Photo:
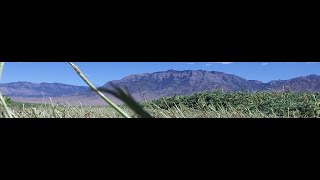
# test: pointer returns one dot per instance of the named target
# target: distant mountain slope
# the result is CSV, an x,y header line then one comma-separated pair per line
x,y
172,82
303,83
168,83
27,89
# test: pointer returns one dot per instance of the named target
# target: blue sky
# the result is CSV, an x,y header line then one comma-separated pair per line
x,y
101,72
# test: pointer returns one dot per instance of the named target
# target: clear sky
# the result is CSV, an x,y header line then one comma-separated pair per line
x,y
101,72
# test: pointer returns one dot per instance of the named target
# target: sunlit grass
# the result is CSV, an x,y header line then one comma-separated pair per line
x,y
113,105
8,113
200,105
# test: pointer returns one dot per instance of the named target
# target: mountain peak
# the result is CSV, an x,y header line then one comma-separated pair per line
x,y
313,76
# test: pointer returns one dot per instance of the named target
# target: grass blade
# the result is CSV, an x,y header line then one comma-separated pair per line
x,y
3,102
128,100
98,92
1,68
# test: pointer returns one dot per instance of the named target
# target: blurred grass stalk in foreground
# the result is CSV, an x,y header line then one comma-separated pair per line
x,y
114,106
1,68
128,100
2,100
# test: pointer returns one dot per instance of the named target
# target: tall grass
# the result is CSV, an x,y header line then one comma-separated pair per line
x,y
200,105
83,77
280,104
7,111
1,68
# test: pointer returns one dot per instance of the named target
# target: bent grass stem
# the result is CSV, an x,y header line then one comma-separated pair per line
x,y
83,77
3,102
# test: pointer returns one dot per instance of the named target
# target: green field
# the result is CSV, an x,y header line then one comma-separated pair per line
x,y
201,105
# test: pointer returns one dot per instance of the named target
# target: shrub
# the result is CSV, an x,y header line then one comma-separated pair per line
x,y
8,100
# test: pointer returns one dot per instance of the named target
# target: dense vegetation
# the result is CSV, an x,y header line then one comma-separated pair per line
x,y
277,104
203,105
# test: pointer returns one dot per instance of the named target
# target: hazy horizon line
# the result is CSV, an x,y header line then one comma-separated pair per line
x,y
152,73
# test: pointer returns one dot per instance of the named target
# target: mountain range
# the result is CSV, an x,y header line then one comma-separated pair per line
x,y
155,85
